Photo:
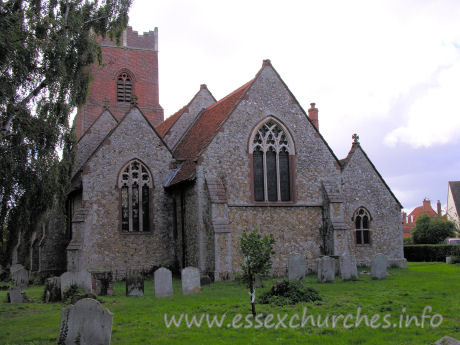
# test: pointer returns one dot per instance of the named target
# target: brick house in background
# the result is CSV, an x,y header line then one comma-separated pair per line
x,y
410,220
180,192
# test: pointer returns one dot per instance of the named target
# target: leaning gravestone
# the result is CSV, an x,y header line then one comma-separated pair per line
x,y
297,267
85,323
379,267
347,267
20,278
190,281
163,282
326,269
52,290
15,296
134,285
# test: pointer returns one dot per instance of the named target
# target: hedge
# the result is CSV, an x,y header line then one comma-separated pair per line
x,y
430,252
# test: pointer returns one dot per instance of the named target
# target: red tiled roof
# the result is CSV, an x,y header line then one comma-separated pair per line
x,y
203,131
164,127
206,126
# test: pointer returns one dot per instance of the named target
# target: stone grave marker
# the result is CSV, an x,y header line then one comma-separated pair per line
x,y
134,285
347,267
53,290
447,341
15,296
190,281
379,266
85,323
81,279
326,269
20,278
163,282
297,267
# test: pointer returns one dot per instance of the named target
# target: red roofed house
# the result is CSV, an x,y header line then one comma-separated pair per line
x,y
410,220
180,192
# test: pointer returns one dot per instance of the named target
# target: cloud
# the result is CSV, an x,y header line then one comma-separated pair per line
x,y
433,118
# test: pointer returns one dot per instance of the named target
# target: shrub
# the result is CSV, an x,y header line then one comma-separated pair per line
x,y
73,294
289,292
429,230
430,252
455,259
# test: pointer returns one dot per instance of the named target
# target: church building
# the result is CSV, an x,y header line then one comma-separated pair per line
x,y
149,192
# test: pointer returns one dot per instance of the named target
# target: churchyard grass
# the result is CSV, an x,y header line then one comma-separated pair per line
x,y
140,320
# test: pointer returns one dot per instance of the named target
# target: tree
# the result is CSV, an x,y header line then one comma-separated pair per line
x,y
46,48
434,230
257,251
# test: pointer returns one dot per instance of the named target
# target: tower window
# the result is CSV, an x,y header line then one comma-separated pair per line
x,y
124,88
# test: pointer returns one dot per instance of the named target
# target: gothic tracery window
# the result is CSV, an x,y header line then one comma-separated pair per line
x,y
362,220
124,88
135,184
271,146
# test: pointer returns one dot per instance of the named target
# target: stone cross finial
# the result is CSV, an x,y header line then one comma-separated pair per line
x,y
106,103
355,138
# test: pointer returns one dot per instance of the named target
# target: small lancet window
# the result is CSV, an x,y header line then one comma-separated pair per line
x,y
124,88
135,185
362,220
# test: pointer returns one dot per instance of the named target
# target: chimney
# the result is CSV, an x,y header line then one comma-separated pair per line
x,y
426,204
439,209
313,115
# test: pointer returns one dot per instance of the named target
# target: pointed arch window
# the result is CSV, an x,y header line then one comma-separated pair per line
x,y
135,183
124,87
362,220
271,147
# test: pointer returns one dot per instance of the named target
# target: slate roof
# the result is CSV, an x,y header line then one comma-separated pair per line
x,y
455,190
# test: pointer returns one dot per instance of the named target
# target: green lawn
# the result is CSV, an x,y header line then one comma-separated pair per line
x,y
141,320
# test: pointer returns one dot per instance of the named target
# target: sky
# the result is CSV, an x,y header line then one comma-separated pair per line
x,y
386,70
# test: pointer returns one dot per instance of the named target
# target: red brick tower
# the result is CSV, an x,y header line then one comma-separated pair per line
x,y
126,71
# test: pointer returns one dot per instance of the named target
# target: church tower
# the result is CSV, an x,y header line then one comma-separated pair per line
x,y
129,73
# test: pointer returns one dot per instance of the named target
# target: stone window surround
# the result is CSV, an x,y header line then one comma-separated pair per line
x,y
132,80
369,227
292,164
151,206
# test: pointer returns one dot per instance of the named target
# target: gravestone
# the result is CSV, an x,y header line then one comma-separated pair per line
x,y
81,279
205,280
52,290
85,323
190,281
448,259
347,267
134,285
297,267
326,269
163,282
15,296
379,267
447,341
20,278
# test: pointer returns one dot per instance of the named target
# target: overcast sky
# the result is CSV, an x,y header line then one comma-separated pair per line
x,y
387,70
